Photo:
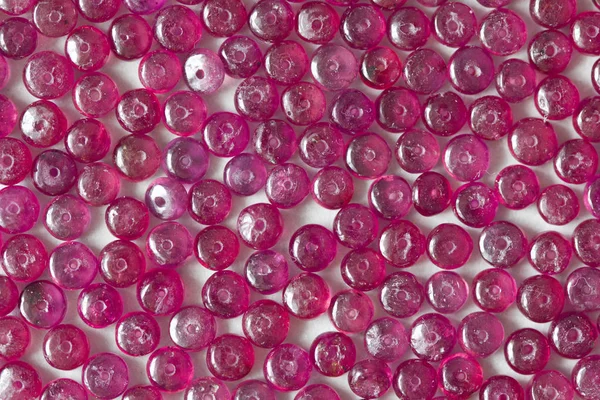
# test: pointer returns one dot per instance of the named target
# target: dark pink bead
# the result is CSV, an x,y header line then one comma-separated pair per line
x,y
517,187
550,253
386,339
502,32
501,385
390,197
216,247
401,243
142,393
585,119
389,4
332,188
166,198
260,226
192,328
253,388
99,305
317,391
95,95
48,75
266,323
226,134
583,377
556,97
502,244
432,337
54,18
67,217
271,20
98,184
207,386
380,67
317,22
105,375
355,226
532,141
127,218
16,7
266,271
527,351
576,161
87,140
87,48
177,28
169,244
274,141
362,26
42,304
558,205
287,367
312,248
18,38
204,71
24,258
303,103
547,384
572,335
66,347
63,387
43,124
550,51
15,338
352,111
466,158
363,269
586,237
424,71
447,292
415,380
553,14
401,294
19,381
170,369
368,156
160,291
245,174
286,62
494,290
351,311
454,24
8,112
471,69
306,296
184,113
444,114
94,11
72,265
408,28
397,109
480,334
223,18
287,185
490,117
240,55
581,291
19,209
143,7
460,375
209,202
137,157
4,76
370,378
515,80
333,67
130,36
230,357
122,263
137,334
138,111
256,98
53,172
417,151
15,161
584,32
185,159
159,71
226,294
540,298
333,353
431,193
449,246
10,295
591,196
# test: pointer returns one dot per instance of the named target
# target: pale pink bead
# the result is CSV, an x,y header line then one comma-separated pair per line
x,y
287,367
408,28
317,22
449,246
584,32
256,98
24,258
99,305
87,48
48,75
160,291
515,80
54,18
137,157
494,290
306,296
11,32
245,174
67,217
240,55
355,226
333,353
19,381
362,26
230,357
351,311
332,187
127,218
105,375
480,334
16,7
401,243
432,337
417,151
226,294
185,159
390,197
401,294
216,247
490,117
576,161
303,103
66,347
43,124
287,185
130,36
266,323
556,97
223,18
424,71
370,378
502,32
260,226
386,339
271,20
72,265
460,375
471,69
192,328
466,158
138,111
584,118
87,140
333,67
63,387
558,205
368,156
207,386
170,369
169,244
397,109
122,263
53,172
177,28
166,198
137,334
203,71
159,71
16,338
98,184
447,292
209,202
95,95
42,304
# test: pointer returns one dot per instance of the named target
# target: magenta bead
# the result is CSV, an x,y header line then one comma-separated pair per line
x,y
515,80
401,243
18,38
169,244
240,55
317,391
585,242
287,367
160,291
502,244
558,205
480,334
127,218
454,24
572,335
312,248
408,28
466,158
226,134
274,141
409,388
532,141
15,161
67,217
540,298
380,67
584,31
390,197
54,18
332,353
585,119
424,71
99,305
333,67
95,95
87,140
72,265
332,187
184,113
24,258
352,111
583,377
368,156
63,387
471,70
209,202
216,247
431,193
10,294
502,32
460,375
553,14
16,7
317,22
266,323
42,304
203,71
177,28
386,339
138,111
166,198
8,111
306,296
550,253
351,311
397,109
53,172
48,75
550,51
355,226
207,386
226,294
144,7
362,26
494,290
286,62
432,337
527,351
260,226
137,334
556,98
253,388
370,378
230,357
517,187
417,151
223,18
303,103
245,174
449,246
547,384
15,338
170,369
591,196
87,48
159,71
142,393
192,328
490,117
502,385
185,159
266,271
98,12
256,98
122,263
19,380
287,185
19,209
43,124
580,289
401,294
137,157
576,161
105,375
130,36
98,184
444,114
447,292
271,20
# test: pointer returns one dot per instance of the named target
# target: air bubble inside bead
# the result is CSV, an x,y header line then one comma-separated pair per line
x,y
192,328
230,357
401,294
266,323
105,375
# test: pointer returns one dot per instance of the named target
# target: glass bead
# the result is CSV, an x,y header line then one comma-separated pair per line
x,y
209,202
352,111
449,246
16,7
130,36
271,20
95,95
527,351
401,294
312,248
19,209
332,187
87,140
54,18
240,55
490,117
317,391
43,124
286,62
401,243
446,291
583,377
226,294
424,71
502,32
454,24
18,38
143,7
333,353
170,369
585,119
415,380
63,387
137,157
460,375
230,357
306,296
408,28
169,244
266,271
105,375
53,172
253,388
256,98
355,226
380,68
547,384
160,291
159,71
67,217
370,378
287,367
515,80
502,385
550,51
532,141
444,114
216,247
480,334
303,103
127,218
550,253
517,187
142,393
581,291
99,305
471,69
576,161
15,337
23,258
266,323
351,311
185,159
432,337
225,134
48,75
431,193
389,4
397,109
390,197
317,22
558,205
86,47
362,26
556,98
502,244
274,141
137,334
223,18
584,31
417,151
138,111
8,112
10,295
333,67
466,158
368,156
122,263
95,11
42,304
72,265
553,14
386,339
192,328
207,386
540,298
245,174
287,185
203,71
595,75
586,237
572,335
177,28
19,380
98,184
591,196
166,198
260,226
494,290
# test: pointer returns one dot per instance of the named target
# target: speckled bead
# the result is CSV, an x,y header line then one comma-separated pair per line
x,y
494,290
177,28
286,62
287,367
87,140
53,172
424,71
99,305
460,375
67,217
271,20
185,159
480,334
585,119
159,71
449,246
515,80
475,204
203,71
502,244
532,141
8,111
138,111
550,51
312,248
266,323
576,161
169,244
444,114
42,124
42,304
95,95
65,347
256,98
98,184
192,328
122,263
368,156
390,197
130,36
370,378
580,288
16,337
226,294
380,67
454,24
431,193
20,381
408,28
540,298
127,218
223,18
253,388
401,294
355,226
362,26
585,242
502,32
216,247
137,334
287,185
401,243
386,339
466,158
11,29
303,103
417,151
546,384
63,387
137,157
558,205
98,12
209,202
351,311
517,187
72,265
432,337
550,253
583,377
48,75
19,209
317,22
552,14
584,31
447,292
105,375
240,55
274,141
317,391
502,385
407,387
166,198
527,351
15,161
306,296
352,111
332,187
10,294
490,117
397,109
225,134
572,335
160,291
266,271
24,258
333,67
87,48
471,69
556,97
142,393
207,386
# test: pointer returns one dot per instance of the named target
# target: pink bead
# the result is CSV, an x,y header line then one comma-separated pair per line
x,y
98,12
351,311
16,7
401,243
19,381
18,38
454,24
260,226
24,258
185,159
95,95
502,385
480,334
230,357
397,109
444,114
332,353
287,367
240,55
317,391
332,187
389,4
386,339
362,26
207,386
576,161
527,351
8,112
138,111
98,184
317,22
312,248
572,335
245,174
417,151
177,28
494,290
184,113
67,217
368,156
86,47
471,69
502,244
192,328
591,196
170,369
266,271
432,337
143,7
99,305
585,242
42,304
287,185
253,388
54,18
226,294
517,187
15,338
137,157
48,75
216,247
15,161
553,14
72,265
53,172
447,292
105,375
122,263
409,388
584,30
127,218
10,295
137,334
274,141
466,158
87,140
550,51
43,124
223,18
532,141
271,20
401,294
286,62
352,111
424,71
585,121
203,71
63,387
333,67
130,36
306,296
160,291
226,134
583,377
581,289
408,28
370,379
19,209
550,253
460,375
380,67
449,246
390,197
515,80
166,198
209,202
169,244
142,393
556,98
256,98
558,205
547,384
502,32
490,117
266,323
431,193
540,298
303,103
159,71
595,76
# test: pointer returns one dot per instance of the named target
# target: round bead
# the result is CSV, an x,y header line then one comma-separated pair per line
x,y
86,47
72,265
447,292
260,226
490,117
286,62
127,218
19,380
203,71
170,369
417,151
502,32
16,7
558,205
271,20
580,288
401,243
266,323
585,119
253,388
185,159
386,339
42,304
471,69
240,55
226,134
502,244
397,109
23,258
53,172
216,247
584,31
230,357
556,97
355,226
98,184
122,263
409,388
494,290
166,198
159,71
547,384
287,185
540,298
553,14
245,174
454,24
177,28
576,161
444,114
466,158
54,18
317,22
370,379
137,334
15,161
43,124
137,157
10,295
274,141
266,271
585,242
424,71
363,269
480,334
130,36
99,305
63,387
207,386
401,294
48,75
98,12
256,98
138,111
362,26
317,391
380,67
142,393
184,113
572,335
368,156
306,296
192,328
287,367
15,338
223,18
460,375
527,351
390,197
550,253
87,141
532,141
8,111
583,377
209,202
312,248
550,51
332,188
431,193
408,28
67,217
502,385
169,244
333,67
449,246
95,95
432,337
160,291
351,311
105,375
517,187
352,111
18,38
303,103
515,80
226,294
333,353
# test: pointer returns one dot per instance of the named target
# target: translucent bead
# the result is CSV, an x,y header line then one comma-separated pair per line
x,y
143,7
287,185
317,22
10,295
576,161
142,393
401,294
72,265
332,187
370,378
517,186
333,67
572,335
99,305
185,159
138,111
397,109
127,218
306,296
253,388
223,18
18,38
67,217
321,145
454,24
431,193
471,69
230,357
580,289
352,111
550,253
547,384
584,119
226,294
15,161
386,339
490,117
203,71
240,55
317,391
159,71
130,36
266,271
368,156
494,290
137,334
585,242
380,67
532,141
556,98
591,196
105,375
351,311
502,32
245,174
207,386
460,375
502,385
98,12
362,26
355,226
332,353
303,103
312,248
98,184
122,263
424,71
401,243
54,18
216,247
160,291
583,376
15,337
43,124
553,14
515,80
137,157
502,244
192,328
95,95
166,198
390,197
432,337
408,28
63,387
169,244
558,205
48,75
8,112
447,292
177,28
584,31
274,141
417,151
256,98
286,62
444,114
287,367
16,7
209,202
409,388
86,47
550,51
271,20
226,134
53,172
19,381
42,304
466,158
527,351
480,334
260,226
19,209
87,140
449,246
24,258
540,298
266,323
170,369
